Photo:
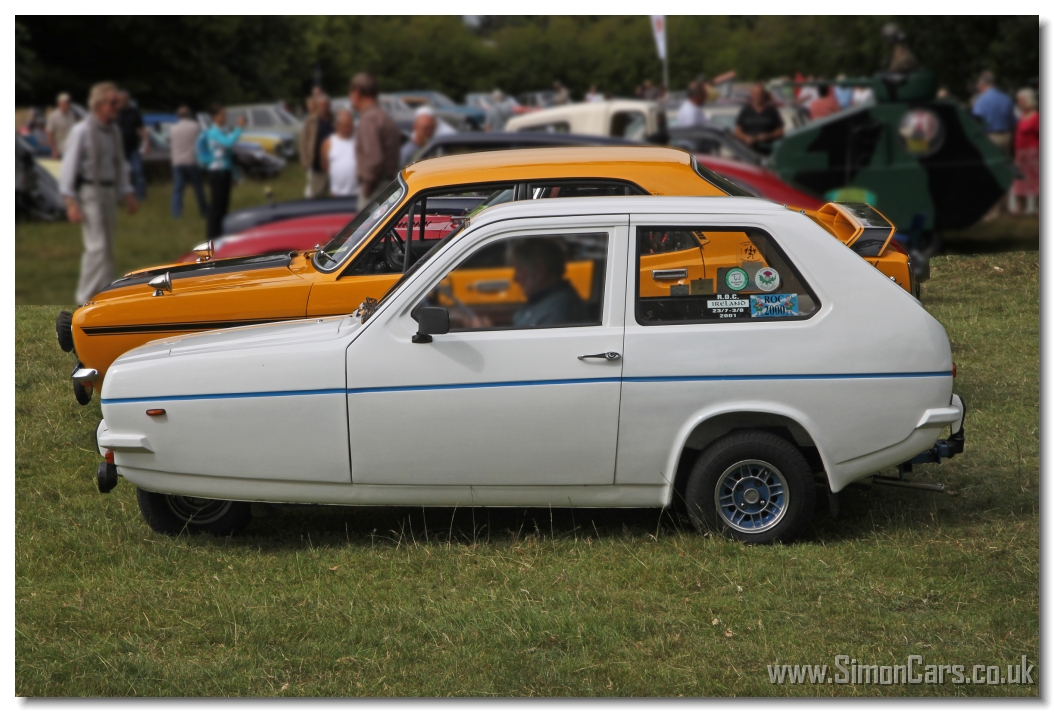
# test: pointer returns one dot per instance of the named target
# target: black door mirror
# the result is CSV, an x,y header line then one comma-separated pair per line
x,y
431,320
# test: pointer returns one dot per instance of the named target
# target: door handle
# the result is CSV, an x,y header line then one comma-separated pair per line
x,y
607,355
670,274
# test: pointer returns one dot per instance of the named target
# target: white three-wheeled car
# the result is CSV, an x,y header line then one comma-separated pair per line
x,y
556,353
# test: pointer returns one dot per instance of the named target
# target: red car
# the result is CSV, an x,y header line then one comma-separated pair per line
x,y
303,233
760,181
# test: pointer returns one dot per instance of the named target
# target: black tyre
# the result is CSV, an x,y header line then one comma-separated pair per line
x,y
174,514
82,392
752,486
64,330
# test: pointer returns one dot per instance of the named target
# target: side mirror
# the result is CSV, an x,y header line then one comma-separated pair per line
x,y
431,320
161,284
204,251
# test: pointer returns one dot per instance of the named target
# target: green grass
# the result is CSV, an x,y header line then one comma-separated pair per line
x,y
47,255
393,601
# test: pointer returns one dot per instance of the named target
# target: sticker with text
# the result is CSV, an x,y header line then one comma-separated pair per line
x,y
736,279
773,305
727,306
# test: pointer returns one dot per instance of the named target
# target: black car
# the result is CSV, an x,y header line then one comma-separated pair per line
x,y
454,144
714,141
36,191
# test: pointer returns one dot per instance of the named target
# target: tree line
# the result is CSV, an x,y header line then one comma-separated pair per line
x,y
165,61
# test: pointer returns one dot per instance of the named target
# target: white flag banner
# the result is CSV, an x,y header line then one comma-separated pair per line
x,y
658,28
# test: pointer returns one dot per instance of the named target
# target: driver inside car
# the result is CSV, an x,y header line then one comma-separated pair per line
x,y
539,266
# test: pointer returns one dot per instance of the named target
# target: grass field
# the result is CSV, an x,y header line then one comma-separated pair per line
x,y
386,601
47,255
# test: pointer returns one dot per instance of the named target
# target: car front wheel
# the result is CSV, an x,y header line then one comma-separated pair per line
x,y
174,514
752,486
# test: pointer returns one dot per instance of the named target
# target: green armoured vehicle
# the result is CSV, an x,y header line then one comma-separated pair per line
x,y
924,162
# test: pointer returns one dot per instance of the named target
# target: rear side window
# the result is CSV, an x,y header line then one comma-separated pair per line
x,y
554,127
689,275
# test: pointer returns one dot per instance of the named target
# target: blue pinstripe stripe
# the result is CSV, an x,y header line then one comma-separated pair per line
x,y
516,384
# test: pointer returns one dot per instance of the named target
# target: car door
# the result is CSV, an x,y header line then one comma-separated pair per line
x,y
519,392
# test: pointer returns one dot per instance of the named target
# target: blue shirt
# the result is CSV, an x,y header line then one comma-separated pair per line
x,y
997,110
844,95
221,147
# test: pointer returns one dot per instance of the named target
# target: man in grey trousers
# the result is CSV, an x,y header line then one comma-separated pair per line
x,y
94,175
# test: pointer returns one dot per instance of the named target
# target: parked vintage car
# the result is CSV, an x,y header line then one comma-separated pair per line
x,y
630,119
365,258
37,194
249,158
461,117
279,142
736,395
401,113
301,224
714,141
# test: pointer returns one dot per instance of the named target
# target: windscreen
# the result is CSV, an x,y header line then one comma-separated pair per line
x,y
349,238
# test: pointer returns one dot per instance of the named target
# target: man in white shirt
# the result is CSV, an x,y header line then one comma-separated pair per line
x,y
94,173
691,111
337,156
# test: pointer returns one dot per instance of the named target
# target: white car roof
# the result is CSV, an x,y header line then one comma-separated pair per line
x,y
622,205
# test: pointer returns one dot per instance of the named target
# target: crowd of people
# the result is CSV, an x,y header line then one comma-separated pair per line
x,y
355,152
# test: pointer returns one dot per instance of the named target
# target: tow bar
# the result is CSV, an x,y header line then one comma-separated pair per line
x,y
941,450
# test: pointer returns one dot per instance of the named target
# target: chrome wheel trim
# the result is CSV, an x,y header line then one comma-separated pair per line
x,y
751,496
197,510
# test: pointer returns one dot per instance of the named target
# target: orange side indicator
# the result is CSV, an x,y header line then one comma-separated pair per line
x,y
155,411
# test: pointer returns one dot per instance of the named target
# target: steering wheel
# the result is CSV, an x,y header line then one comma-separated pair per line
x,y
394,251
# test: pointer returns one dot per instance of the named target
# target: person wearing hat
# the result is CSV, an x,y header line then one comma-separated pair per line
x,y
59,125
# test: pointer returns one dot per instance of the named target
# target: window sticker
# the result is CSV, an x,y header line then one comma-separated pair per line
x,y
773,305
748,251
736,279
767,279
727,306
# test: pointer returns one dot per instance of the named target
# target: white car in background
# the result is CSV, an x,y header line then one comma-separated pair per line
x,y
631,119
724,354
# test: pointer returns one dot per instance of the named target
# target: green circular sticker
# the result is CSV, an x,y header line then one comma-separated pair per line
x,y
736,279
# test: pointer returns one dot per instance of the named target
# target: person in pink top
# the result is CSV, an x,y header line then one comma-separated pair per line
x,y
1026,154
825,105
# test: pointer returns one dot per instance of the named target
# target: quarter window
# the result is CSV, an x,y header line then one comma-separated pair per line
x,y
526,282
716,274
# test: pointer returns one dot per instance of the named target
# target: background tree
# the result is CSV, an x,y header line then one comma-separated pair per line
x,y
165,61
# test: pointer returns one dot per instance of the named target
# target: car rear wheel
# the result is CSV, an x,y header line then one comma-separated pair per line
x,y
174,514
752,486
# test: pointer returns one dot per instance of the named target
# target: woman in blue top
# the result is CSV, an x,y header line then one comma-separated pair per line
x,y
219,148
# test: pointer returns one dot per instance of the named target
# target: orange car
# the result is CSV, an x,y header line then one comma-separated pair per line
x,y
370,254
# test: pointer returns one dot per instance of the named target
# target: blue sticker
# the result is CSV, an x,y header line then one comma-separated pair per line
x,y
773,305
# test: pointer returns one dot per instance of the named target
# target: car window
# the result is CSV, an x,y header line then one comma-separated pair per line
x,y
716,274
630,125
526,282
286,118
233,115
445,212
553,127
442,100
262,118
581,189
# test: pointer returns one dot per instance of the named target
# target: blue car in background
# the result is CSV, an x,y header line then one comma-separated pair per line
x,y
461,117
